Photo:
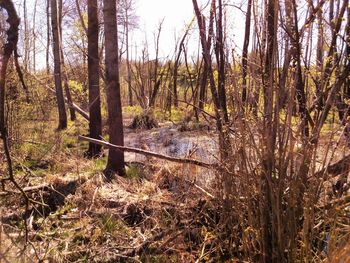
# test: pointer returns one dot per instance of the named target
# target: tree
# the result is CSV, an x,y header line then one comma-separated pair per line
x,y
220,59
62,115
63,67
245,51
177,65
217,89
95,124
115,162
48,36
34,36
129,20
10,48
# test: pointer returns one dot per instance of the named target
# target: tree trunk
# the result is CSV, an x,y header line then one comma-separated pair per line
x,y
270,249
220,57
48,37
299,83
57,66
115,162
63,67
95,124
245,51
8,49
26,37
319,56
128,66
224,141
34,37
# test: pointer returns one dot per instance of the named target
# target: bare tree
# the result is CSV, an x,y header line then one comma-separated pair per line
x,y
95,123
129,20
48,36
57,65
9,49
26,37
115,162
218,97
34,35
245,51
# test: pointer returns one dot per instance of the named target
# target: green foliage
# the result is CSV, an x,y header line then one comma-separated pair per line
x,y
100,164
132,110
134,172
176,115
76,87
109,224
209,108
78,91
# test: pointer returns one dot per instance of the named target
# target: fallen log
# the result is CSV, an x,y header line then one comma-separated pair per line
x,y
147,153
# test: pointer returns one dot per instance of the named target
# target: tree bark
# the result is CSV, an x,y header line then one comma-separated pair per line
x,y
48,37
26,38
57,66
245,51
270,249
224,141
176,68
95,124
220,57
299,82
63,67
11,45
115,162
34,37
128,66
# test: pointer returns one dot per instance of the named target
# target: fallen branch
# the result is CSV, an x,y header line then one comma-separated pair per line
x,y
337,202
340,167
83,113
147,153
26,189
36,187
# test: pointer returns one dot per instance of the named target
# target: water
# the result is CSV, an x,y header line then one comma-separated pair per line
x,y
169,141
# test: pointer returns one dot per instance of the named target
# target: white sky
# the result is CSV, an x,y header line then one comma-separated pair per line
x,y
176,14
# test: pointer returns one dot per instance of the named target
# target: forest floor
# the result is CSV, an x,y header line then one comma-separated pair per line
x,y
159,212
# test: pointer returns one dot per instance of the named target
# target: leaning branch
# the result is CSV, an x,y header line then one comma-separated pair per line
x,y
147,153
83,113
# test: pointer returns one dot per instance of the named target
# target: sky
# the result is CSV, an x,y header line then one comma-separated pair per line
x,y
176,14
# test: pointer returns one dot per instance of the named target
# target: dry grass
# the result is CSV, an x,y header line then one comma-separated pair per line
x,y
160,215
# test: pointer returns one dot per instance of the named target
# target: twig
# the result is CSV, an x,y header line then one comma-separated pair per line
x,y
336,202
148,153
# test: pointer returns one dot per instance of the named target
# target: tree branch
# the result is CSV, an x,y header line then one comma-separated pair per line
x,y
147,153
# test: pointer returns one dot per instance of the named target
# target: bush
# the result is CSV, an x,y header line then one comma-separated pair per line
x,y
145,120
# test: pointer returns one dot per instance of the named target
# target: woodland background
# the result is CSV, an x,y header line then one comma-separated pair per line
x,y
222,153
